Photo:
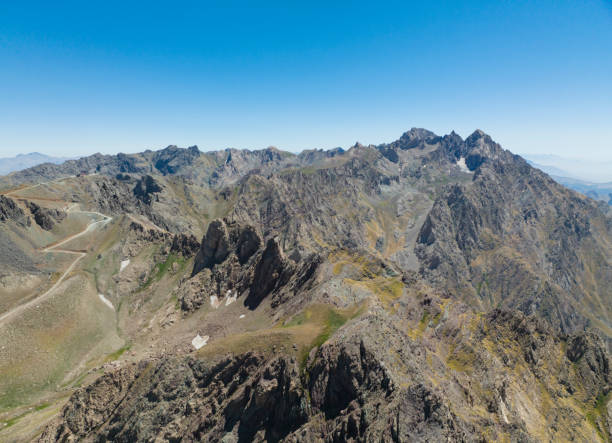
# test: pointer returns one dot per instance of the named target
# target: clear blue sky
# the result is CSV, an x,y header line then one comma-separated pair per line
x,y
82,77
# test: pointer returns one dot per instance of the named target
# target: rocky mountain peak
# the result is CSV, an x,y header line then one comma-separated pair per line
x,y
417,134
453,139
414,137
172,159
479,140
474,150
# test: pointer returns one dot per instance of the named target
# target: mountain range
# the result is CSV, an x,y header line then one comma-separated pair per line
x,y
24,161
430,289
589,187
592,170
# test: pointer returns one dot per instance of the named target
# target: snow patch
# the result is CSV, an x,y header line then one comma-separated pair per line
x,y
124,264
463,166
214,301
198,341
503,409
229,298
106,301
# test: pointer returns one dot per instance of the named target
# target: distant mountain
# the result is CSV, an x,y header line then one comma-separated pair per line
x,y
550,170
24,161
597,191
590,170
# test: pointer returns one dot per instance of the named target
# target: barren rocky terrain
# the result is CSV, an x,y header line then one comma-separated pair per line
x,y
429,289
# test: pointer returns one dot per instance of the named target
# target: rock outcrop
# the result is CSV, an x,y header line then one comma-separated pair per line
x,y
186,245
272,271
231,259
146,188
222,240
45,217
9,210
215,247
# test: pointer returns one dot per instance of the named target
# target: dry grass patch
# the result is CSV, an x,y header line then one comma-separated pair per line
x,y
386,289
306,330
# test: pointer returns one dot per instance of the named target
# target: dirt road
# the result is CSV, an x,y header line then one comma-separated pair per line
x,y
55,249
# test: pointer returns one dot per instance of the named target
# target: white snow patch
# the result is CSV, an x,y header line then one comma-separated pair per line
x,y
241,315
503,409
124,264
198,341
229,298
463,166
106,301
214,301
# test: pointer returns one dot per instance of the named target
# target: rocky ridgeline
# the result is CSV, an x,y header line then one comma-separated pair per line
x,y
170,160
185,245
252,397
233,260
350,390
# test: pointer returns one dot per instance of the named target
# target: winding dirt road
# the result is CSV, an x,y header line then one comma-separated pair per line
x,y
56,249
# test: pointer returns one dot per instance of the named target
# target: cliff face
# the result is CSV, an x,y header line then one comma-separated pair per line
x,y
429,289
514,238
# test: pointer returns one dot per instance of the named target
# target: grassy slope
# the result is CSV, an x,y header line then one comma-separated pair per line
x,y
48,341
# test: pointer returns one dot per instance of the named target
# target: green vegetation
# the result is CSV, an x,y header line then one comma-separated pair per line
x,y
328,320
13,420
161,269
177,304
386,289
481,284
333,321
597,415
307,330
76,382
118,353
42,406
424,321
461,359
417,332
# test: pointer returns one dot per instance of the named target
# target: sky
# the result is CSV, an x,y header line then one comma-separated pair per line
x,y
84,77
